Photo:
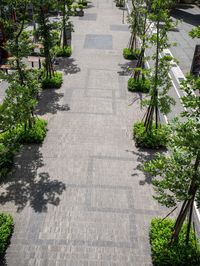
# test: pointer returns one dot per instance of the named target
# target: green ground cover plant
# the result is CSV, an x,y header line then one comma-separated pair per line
x,y
35,134
53,82
6,228
130,54
176,254
63,52
141,85
155,139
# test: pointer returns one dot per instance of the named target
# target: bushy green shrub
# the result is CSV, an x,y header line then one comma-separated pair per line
x,y
120,3
142,85
36,134
83,3
8,147
6,159
131,54
63,52
154,139
177,254
54,82
6,228
10,143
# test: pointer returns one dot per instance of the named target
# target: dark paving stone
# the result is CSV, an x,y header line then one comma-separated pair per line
x,y
90,17
98,41
119,28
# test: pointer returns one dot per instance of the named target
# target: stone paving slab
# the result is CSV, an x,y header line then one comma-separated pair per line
x,y
80,199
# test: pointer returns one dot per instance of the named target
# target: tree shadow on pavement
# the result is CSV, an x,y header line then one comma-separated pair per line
x,y
24,186
193,19
49,102
67,65
144,155
137,96
127,68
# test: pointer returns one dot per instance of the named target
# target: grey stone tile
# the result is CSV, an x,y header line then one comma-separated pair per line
x,y
89,17
119,28
98,41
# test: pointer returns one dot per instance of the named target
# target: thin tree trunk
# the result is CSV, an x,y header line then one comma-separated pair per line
x,y
188,204
189,222
64,26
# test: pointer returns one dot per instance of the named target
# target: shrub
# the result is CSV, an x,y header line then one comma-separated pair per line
x,y
36,134
142,85
131,54
8,147
6,159
120,3
154,139
83,3
6,228
54,82
177,254
63,52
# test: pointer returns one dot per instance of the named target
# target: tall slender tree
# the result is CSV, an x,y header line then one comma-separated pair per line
x,y
46,31
160,81
180,169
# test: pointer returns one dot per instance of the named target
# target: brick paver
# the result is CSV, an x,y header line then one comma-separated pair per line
x,y
80,199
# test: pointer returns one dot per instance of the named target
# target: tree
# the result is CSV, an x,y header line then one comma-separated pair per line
x,y
47,31
64,6
20,101
21,95
179,171
160,81
134,23
14,20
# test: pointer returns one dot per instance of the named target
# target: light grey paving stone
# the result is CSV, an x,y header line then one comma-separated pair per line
x,y
98,41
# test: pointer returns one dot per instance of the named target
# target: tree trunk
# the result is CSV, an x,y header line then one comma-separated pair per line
x,y
187,205
153,106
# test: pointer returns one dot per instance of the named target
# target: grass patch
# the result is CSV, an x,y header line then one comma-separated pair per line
x,y
154,139
142,85
6,228
177,254
131,54
54,82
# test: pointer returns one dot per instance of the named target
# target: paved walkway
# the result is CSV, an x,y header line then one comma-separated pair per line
x,y
79,199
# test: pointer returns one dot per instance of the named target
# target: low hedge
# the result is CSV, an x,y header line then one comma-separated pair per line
x,y
177,254
120,3
6,159
54,82
36,134
6,228
142,85
131,54
63,52
10,143
83,3
8,147
154,139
